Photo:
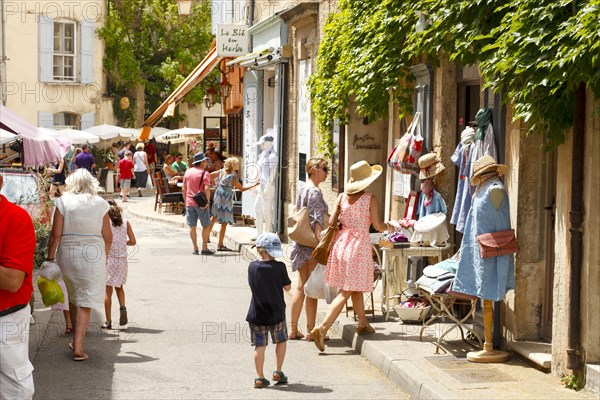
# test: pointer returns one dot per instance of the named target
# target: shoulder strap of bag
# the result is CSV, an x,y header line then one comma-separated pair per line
x,y
414,123
201,181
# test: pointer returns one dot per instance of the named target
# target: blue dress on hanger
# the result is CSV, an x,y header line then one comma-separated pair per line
x,y
462,203
487,278
438,205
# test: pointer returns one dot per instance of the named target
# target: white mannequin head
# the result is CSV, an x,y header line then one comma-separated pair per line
x,y
266,146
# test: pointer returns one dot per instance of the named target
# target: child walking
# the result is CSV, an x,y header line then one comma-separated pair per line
x,y
222,209
125,171
266,315
116,264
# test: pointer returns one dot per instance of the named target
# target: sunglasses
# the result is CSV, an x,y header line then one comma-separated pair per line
x,y
325,169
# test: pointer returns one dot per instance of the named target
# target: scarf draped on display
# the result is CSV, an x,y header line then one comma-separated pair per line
x,y
427,187
483,118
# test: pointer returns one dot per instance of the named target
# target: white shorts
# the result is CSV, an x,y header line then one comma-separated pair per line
x,y
16,372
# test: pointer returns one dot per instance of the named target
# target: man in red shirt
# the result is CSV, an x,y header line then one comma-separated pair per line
x,y
125,171
151,151
17,246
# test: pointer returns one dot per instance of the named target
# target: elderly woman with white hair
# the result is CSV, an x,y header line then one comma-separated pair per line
x,y
80,239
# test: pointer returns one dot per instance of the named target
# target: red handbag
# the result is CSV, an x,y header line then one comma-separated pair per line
x,y
499,243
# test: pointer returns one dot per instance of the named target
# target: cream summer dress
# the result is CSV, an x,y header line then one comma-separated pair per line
x,y
350,263
116,266
81,254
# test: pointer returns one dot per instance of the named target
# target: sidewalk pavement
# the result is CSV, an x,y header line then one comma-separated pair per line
x,y
396,350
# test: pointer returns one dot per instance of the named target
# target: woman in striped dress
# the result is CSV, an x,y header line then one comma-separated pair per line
x,y
222,209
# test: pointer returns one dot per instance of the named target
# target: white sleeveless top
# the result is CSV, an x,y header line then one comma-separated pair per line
x,y
138,162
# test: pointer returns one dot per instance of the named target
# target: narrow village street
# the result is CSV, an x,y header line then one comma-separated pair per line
x,y
187,338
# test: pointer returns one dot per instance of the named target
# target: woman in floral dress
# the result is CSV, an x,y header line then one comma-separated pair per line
x,y
222,209
350,263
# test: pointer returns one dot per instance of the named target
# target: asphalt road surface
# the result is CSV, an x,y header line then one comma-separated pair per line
x,y
187,338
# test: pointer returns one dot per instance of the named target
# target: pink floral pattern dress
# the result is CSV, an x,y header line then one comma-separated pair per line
x,y
116,265
350,263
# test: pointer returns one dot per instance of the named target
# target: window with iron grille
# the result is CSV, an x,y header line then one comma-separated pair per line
x,y
235,133
64,51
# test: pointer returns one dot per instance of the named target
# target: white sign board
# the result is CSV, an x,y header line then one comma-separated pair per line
x,y
232,40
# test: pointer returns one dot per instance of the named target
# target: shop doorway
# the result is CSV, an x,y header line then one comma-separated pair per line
x,y
550,212
468,103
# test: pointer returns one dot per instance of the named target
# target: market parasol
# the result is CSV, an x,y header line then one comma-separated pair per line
x,y
107,131
181,135
77,136
39,148
7,137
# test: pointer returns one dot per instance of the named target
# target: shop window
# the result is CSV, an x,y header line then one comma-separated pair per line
x,y
235,134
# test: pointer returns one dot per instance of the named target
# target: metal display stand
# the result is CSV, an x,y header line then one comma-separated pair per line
x,y
395,266
443,306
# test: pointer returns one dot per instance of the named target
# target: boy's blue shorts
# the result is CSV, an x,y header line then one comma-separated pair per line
x,y
259,334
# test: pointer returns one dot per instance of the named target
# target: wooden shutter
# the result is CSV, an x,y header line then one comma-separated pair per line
x,y
87,51
45,119
87,120
46,49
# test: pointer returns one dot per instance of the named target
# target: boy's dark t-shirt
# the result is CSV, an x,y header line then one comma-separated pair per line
x,y
266,280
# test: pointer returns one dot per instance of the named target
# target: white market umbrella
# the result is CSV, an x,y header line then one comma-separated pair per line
x,y
48,131
180,135
7,137
107,131
134,133
77,136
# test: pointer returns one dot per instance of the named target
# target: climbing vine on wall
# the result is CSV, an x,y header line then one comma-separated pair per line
x,y
536,51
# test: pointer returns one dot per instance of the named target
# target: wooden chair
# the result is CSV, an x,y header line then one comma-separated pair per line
x,y
164,198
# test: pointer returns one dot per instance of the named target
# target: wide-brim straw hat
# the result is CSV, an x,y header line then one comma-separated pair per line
x,y
430,165
484,165
362,175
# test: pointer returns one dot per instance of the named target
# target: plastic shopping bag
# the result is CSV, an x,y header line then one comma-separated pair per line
x,y
316,287
404,157
50,271
51,291
149,183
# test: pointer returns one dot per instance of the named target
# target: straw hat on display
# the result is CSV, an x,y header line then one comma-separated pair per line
x,y
430,166
486,165
362,175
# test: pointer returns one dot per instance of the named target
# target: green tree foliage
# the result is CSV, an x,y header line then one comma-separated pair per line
x,y
360,58
536,51
149,44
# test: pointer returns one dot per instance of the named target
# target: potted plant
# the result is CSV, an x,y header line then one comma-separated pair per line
x,y
103,157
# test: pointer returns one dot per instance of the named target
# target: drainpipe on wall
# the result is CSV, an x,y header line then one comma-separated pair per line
x,y
576,219
3,59
251,13
390,144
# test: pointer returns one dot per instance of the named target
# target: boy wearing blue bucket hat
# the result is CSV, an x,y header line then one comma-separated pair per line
x,y
266,315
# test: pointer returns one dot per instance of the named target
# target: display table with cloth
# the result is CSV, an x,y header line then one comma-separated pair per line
x,y
395,266
442,305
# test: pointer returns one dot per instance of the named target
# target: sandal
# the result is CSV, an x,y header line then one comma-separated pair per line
x,y
260,383
82,357
123,317
309,338
106,325
223,248
279,377
68,330
318,338
297,336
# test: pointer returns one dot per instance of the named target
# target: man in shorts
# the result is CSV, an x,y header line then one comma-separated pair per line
x,y
197,179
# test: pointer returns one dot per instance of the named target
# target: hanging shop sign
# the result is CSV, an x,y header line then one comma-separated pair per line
x,y
232,40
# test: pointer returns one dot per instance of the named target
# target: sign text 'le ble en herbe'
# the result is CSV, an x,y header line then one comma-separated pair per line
x,y
232,40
